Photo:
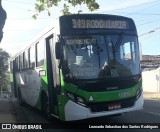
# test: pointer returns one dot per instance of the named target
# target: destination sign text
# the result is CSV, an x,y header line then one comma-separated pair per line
x,y
108,24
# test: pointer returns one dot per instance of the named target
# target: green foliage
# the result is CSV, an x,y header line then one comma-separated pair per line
x,y
65,10
4,65
42,5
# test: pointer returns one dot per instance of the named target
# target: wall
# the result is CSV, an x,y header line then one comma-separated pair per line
x,y
151,81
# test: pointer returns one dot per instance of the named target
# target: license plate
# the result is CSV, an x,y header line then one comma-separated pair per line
x,y
114,106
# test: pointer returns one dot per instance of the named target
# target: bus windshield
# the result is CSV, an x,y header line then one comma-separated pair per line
x,y
100,56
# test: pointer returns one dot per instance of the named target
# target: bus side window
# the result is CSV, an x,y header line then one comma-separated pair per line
x,y
39,54
121,52
17,64
32,57
125,51
24,66
26,60
21,62
133,51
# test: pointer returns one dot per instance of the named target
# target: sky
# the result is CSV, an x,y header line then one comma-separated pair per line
x,y
20,28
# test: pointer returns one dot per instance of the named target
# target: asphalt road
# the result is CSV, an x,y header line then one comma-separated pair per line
x,y
27,114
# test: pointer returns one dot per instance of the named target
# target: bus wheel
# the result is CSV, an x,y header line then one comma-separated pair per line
x,y
45,105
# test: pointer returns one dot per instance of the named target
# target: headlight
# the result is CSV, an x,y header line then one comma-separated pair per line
x,y
80,101
75,98
70,96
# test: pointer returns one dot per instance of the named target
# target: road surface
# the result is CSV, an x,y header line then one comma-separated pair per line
x,y
26,114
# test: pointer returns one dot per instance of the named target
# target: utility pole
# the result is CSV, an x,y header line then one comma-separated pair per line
x,y
1,90
159,82
3,16
0,85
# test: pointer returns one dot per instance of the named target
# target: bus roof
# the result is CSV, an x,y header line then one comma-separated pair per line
x,y
95,15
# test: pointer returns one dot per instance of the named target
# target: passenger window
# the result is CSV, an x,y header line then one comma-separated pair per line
x,y
17,64
21,62
24,65
39,54
32,57
133,50
26,60
127,51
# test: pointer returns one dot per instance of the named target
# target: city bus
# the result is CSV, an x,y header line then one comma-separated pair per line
x,y
84,66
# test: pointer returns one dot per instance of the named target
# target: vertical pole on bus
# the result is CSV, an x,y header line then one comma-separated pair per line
x,y
159,82
0,86
1,90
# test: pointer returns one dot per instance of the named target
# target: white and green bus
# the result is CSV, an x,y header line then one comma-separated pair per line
x,y
86,66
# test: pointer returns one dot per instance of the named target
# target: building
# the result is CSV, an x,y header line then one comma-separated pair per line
x,y
150,62
150,66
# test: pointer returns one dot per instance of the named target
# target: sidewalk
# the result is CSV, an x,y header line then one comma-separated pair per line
x,y
149,95
7,114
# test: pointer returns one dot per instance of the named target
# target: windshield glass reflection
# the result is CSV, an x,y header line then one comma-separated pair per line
x,y
95,57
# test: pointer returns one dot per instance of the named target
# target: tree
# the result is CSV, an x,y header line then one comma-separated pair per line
x,y
42,5
4,65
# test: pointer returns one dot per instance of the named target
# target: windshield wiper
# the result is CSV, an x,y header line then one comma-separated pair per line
x,y
118,42
74,50
97,49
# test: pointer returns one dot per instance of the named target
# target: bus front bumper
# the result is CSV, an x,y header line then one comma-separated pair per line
x,y
75,111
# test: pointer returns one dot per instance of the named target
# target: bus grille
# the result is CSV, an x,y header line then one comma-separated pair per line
x,y
98,107
108,85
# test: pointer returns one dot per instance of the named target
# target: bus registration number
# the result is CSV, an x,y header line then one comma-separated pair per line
x,y
114,106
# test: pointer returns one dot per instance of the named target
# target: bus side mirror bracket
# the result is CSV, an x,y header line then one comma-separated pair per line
x,y
58,50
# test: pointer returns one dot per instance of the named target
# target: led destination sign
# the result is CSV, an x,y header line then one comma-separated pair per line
x,y
91,22
108,24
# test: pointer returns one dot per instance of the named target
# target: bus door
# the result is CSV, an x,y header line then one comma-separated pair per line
x,y
53,75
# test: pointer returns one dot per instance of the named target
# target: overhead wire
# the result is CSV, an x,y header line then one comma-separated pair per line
x,y
150,36
148,22
145,8
129,6
151,14
100,12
